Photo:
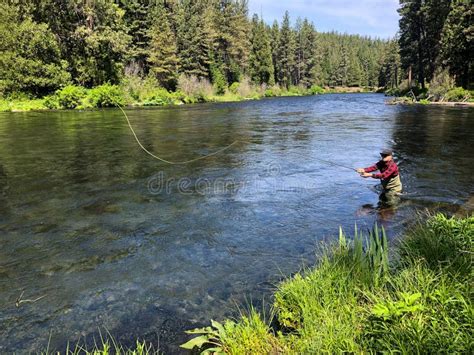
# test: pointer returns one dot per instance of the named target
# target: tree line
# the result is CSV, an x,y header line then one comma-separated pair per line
x,y
46,44
437,35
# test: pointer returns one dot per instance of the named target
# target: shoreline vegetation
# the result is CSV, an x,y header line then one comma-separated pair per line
x,y
145,93
363,296
366,297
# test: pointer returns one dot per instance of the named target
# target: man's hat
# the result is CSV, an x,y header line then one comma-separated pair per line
x,y
386,152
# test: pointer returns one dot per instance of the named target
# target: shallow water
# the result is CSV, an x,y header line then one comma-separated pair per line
x,y
114,239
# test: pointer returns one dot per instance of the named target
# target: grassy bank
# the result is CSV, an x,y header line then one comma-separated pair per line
x,y
138,92
356,300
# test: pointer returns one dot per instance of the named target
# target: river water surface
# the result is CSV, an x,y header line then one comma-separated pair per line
x,y
113,239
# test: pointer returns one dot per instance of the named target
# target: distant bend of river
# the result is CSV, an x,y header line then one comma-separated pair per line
x,y
113,238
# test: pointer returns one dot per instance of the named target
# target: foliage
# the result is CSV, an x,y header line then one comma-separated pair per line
x,y
250,333
458,94
196,90
163,50
30,60
436,34
69,97
353,302
443,242
440,85
316,90
9,105
457,42
158,97
106,95
218,79
89,43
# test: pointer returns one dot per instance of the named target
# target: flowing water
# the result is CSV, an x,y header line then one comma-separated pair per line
x,y
115,240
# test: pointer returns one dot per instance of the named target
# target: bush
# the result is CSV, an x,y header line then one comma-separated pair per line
x,y
158,97
106,96
316,90
51,102
218,79
246,89
196,89
441,83
69,97
234,87
458,94
273,91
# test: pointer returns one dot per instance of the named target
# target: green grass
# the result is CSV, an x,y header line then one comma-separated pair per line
x,y
21,105
356,301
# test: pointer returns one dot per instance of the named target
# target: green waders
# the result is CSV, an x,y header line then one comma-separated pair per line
x,y
392,189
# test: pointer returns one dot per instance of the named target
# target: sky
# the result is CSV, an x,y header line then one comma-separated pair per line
x,y
375,18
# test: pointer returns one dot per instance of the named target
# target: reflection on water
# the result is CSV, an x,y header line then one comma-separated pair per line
x,y
114,238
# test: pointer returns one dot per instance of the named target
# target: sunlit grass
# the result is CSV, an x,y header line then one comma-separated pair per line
x,y
356,301
21,105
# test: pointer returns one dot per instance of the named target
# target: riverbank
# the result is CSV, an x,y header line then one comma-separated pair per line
x,y
434,95
414,298
76,97
408,101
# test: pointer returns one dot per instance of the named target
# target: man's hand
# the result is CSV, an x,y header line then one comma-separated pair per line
x,y
366,175
360,170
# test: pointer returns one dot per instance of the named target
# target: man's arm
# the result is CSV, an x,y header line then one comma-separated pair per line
x,y
362,171
371,168
386,174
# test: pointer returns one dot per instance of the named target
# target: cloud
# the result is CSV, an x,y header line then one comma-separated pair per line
x,y
377,18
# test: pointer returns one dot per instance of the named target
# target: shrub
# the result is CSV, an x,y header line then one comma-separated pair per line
x,y
273,91
51,102
106,95
218,79
458,94
158,97
246,89
70,96
316,90
234,87
441,83
196,89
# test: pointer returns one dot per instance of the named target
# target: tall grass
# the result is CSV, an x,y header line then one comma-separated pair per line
x,y
356,300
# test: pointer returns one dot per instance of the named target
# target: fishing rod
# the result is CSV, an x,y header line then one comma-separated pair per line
x,y
334,164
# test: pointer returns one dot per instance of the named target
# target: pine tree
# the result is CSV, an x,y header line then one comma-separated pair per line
x,y
286,53
232,39
411,38
138,19
274,42
195,37
261,64
162,52
458,42
306,53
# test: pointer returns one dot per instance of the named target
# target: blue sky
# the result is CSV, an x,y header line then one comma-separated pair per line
x,y
376,18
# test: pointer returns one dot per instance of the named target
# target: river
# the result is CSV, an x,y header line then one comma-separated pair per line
x,y
113,239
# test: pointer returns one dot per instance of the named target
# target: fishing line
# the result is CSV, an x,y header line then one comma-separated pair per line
x,y
207,155
334,164
169,161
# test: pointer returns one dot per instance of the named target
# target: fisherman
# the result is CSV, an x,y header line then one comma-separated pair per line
x,y
388,175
